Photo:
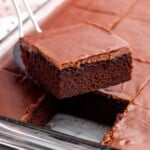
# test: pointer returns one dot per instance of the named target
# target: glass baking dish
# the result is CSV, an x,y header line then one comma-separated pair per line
x,y
64,131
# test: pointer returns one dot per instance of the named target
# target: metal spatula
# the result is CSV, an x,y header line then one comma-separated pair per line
x,y
16,50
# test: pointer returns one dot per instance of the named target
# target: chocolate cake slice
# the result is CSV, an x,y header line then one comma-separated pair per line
x,y
77,59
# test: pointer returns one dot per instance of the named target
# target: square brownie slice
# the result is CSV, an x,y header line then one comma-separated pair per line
x,y
76,59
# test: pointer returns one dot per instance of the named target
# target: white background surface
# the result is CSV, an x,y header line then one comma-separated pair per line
x,y
8,19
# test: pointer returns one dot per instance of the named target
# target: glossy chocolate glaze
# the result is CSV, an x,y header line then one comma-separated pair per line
x,y
69,14
115,7
131,129
141,10
80,44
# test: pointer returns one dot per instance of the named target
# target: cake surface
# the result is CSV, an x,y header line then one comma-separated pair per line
x,y
141,10
76,60
139,30
113,7
70,14
130,129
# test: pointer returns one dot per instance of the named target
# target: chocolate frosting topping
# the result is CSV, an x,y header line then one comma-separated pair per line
x,y
131,129
83,43
140,37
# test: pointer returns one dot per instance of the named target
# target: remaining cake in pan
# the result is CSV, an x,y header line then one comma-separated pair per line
x,y
79,11
77,59
20,98
23,100
131,129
